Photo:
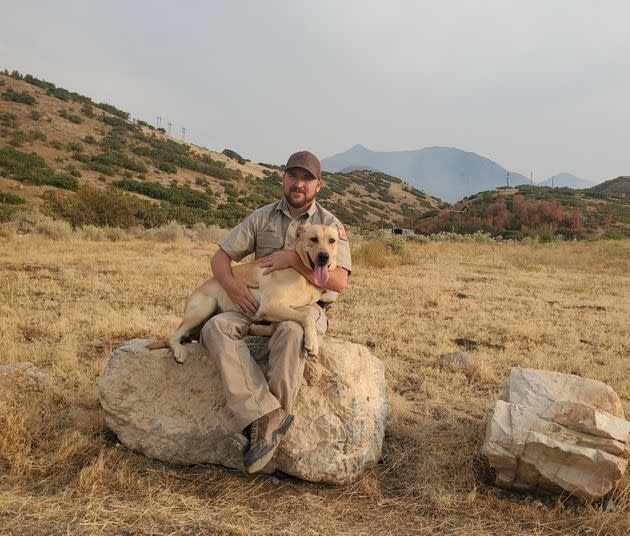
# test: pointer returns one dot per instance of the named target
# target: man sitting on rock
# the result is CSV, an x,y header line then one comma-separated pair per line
x,y
265,402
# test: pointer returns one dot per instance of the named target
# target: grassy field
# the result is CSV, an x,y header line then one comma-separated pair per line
x,y
65,304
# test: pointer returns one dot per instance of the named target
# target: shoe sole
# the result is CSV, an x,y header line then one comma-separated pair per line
x,y
262,456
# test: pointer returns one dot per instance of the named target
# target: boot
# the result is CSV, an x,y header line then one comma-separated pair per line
x,y
267,433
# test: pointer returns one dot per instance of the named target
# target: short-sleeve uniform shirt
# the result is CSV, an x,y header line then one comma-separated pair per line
x,y
271,228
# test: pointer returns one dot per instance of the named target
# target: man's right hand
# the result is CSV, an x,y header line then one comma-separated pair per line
x,y
238,291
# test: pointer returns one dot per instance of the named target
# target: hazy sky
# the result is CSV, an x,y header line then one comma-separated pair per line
x,y
536,85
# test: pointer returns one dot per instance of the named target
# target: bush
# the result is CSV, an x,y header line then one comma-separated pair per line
x,y
8,119
23,97
11,199
35,222
31,167
234,156
92,206
73,118
205,233
171,232
395,244
35,115
89,139
372,253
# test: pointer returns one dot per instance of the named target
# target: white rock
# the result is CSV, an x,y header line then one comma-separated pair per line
x,y
176,413
553,431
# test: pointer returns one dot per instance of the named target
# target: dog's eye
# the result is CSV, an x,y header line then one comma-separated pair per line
x,y
314,240
331,240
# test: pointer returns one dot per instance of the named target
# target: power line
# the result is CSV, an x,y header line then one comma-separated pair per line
x,y
183,133
159,121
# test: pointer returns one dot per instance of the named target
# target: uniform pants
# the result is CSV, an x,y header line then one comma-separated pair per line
x,y
248,393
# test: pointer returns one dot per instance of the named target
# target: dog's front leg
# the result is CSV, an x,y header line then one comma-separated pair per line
x,y
278,313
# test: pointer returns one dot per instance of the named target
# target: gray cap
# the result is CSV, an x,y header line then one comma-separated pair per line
x,y
305,160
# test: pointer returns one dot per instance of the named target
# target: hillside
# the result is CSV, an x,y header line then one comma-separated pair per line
x,y
446,172
619,187
534,211
89,163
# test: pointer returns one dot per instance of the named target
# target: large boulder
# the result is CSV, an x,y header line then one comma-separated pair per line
x,y
557,432
177,413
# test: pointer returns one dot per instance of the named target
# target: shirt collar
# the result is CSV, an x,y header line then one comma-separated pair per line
x,y
283,206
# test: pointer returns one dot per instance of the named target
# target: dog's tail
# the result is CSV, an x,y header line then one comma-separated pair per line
x,y
157,345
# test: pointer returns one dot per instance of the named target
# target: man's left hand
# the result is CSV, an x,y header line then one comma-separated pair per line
x,y
279,260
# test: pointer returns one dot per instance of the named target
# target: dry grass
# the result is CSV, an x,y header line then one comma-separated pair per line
x,y
65,304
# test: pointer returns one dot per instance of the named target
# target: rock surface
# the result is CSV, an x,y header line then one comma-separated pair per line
x,y
176,413
557,432
22,378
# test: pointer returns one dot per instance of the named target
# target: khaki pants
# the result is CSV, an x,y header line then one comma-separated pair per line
x,y
248,393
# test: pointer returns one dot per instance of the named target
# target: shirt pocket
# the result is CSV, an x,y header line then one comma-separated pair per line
x,y
267,242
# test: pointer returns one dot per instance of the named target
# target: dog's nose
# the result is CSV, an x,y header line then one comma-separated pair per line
x,y
322,257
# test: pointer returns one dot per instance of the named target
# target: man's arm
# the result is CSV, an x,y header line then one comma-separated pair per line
x,y
337,278
237,289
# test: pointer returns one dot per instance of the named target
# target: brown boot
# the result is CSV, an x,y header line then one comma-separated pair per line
x,y
269,430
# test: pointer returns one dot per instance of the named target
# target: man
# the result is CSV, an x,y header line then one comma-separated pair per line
x,y
266,402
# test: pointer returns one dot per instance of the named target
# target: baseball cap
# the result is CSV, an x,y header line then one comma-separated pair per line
x,y
305,160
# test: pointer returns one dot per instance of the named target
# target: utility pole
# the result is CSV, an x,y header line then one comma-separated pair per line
x,y
183,133
169,128
507,179
159,121
531,178
552,178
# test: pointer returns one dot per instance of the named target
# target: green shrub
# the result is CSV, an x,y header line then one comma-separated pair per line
x,y
23,97
93,206
8,119
87,110
173,194
89,139
234,156
73,118
31,167
11,199
35,115
113,110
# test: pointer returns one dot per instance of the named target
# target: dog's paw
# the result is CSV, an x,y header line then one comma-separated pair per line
x,y
311,372
180,355
311,346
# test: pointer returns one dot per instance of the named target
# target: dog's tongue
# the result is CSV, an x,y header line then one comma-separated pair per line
x,y
320,275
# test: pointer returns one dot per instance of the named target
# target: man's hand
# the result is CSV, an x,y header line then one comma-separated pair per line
x,y
238,291
279,260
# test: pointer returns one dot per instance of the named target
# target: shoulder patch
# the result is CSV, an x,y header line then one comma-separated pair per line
x,y
342,232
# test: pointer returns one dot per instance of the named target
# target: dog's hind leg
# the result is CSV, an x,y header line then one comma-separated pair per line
x,y
198,309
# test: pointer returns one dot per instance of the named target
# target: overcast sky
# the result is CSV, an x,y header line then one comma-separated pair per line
x,y
535,85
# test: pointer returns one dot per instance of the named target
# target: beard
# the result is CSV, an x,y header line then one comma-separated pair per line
x,y
302,201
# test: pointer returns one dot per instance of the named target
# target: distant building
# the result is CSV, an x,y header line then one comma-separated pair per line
x,y
399,230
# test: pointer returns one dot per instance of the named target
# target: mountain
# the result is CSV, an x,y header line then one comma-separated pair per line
x,y
89,163
446,172
566,180
619,187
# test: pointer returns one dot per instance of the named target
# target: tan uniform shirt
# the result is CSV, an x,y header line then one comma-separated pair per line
x,y
271,228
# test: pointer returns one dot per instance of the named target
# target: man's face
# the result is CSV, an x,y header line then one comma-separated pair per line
x,y
299,187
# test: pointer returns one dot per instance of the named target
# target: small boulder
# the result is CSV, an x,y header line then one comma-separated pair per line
x,y
22,378
177,413
557,432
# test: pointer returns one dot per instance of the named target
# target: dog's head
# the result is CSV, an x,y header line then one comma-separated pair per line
x,y
317,245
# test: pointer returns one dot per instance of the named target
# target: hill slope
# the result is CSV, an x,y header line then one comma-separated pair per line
x,y
534,211
619,187
445,172
75,158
